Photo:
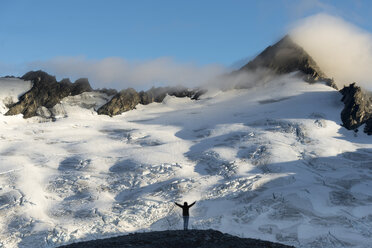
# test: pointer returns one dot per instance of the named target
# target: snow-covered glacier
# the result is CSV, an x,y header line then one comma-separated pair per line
x,y
270,162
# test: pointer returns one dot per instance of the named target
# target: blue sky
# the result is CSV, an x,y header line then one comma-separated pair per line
x,y
201,32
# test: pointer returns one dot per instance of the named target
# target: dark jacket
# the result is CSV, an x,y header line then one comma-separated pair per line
x,y
185,208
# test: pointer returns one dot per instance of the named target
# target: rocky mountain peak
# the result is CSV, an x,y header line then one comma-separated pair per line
x,y
39,77
285,57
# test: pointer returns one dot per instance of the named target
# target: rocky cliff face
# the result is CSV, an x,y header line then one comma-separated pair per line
x,y
165,239
127,99
358,108
46,92
285,57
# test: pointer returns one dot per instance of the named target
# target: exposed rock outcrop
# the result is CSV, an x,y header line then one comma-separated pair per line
x,y
285,57
358,108
170,239
81,85
123,101
46,92
128,99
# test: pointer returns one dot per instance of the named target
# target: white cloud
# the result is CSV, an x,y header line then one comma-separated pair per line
x,y
119,73
342,50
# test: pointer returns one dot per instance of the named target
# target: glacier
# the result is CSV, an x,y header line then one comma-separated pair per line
x,y
270,162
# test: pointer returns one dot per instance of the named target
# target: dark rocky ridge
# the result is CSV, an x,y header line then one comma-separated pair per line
x,y
128,99
170,239
46,92
358,108
285,57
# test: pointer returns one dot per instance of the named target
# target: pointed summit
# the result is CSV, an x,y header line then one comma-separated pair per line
x,y
285,57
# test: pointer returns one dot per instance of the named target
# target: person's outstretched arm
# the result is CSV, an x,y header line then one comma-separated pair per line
x,y
192,204
178,205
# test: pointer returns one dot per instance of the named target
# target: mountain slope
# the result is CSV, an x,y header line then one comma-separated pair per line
x,y
269,163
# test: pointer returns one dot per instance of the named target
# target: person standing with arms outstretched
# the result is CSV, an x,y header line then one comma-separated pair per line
x,y
185,213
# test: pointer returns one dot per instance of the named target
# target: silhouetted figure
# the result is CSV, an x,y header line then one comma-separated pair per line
x,y
185,213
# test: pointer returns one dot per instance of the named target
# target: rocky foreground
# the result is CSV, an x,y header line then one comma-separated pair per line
x,y
164,239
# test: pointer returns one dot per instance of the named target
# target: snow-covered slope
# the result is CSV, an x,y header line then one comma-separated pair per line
x,y
271,162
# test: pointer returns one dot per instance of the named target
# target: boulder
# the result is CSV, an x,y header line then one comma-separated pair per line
x,y
358,108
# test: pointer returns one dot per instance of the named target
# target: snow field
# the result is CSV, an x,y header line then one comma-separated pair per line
x,y
270,162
